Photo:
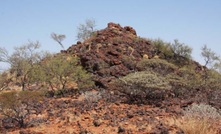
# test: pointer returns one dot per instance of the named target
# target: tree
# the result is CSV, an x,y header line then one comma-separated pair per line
x,y
58,38
163,49
217,66
22,60
4,56
18,106
86,30
209,56
181,49
61,69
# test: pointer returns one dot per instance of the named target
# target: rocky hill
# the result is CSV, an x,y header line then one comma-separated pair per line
x,y
115,51
142,87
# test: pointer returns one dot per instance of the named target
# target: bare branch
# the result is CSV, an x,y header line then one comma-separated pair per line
x,y
4,56
58,38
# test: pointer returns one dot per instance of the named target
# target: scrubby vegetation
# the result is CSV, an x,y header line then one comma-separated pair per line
x,y
18,106
115,77
160,66
143,86
200,118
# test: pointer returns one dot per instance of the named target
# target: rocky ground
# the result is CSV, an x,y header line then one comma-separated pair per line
x,y
109,54
82,116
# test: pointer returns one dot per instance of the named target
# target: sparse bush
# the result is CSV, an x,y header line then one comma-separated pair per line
x,y
163,49
200,119
195,126
92,96
157,65
129,62
59,70
3,81
212,79
201,111
217,66
62,93
86,30
143,85
209,56
181,49
58,38
22,60
18,106
190,77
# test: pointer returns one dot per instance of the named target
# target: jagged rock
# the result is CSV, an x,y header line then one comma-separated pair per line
x,y
103,53
130,30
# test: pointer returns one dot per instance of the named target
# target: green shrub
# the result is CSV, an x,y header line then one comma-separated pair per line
x,y
129,62
212,79
191,78
143,85
181,49
18,106
163,49
60,70
157,65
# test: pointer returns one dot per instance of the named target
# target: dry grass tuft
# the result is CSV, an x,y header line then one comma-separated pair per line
x,y
199,119
196,126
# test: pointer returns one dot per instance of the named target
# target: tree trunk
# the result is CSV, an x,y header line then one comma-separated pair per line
x,y
21,123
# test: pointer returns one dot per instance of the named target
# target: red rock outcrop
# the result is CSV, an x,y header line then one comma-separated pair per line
x,y
112,52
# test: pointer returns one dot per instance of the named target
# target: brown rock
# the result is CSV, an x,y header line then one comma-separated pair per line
x,y
130,30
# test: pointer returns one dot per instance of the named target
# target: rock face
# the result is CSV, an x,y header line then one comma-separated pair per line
x,y
112,52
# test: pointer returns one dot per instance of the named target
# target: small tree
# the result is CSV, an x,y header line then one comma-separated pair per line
x,y
60,70
86,30
58,38
18,106
4,56
217,66
181,49
163,49
209,56
23,59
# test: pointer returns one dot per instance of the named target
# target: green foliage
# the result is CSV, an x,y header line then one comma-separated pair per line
x,y
160,66
191,78
143,85
217,66
209,56
60,70
181,49
18,106
4,56
86,30
147,80
62,93
177,53
212,79
163,49
129,62
23,59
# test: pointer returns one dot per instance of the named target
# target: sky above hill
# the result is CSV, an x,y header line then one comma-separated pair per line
x,y
193,22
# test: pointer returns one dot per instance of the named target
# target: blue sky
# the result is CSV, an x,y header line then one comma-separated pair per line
x,y
193,22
